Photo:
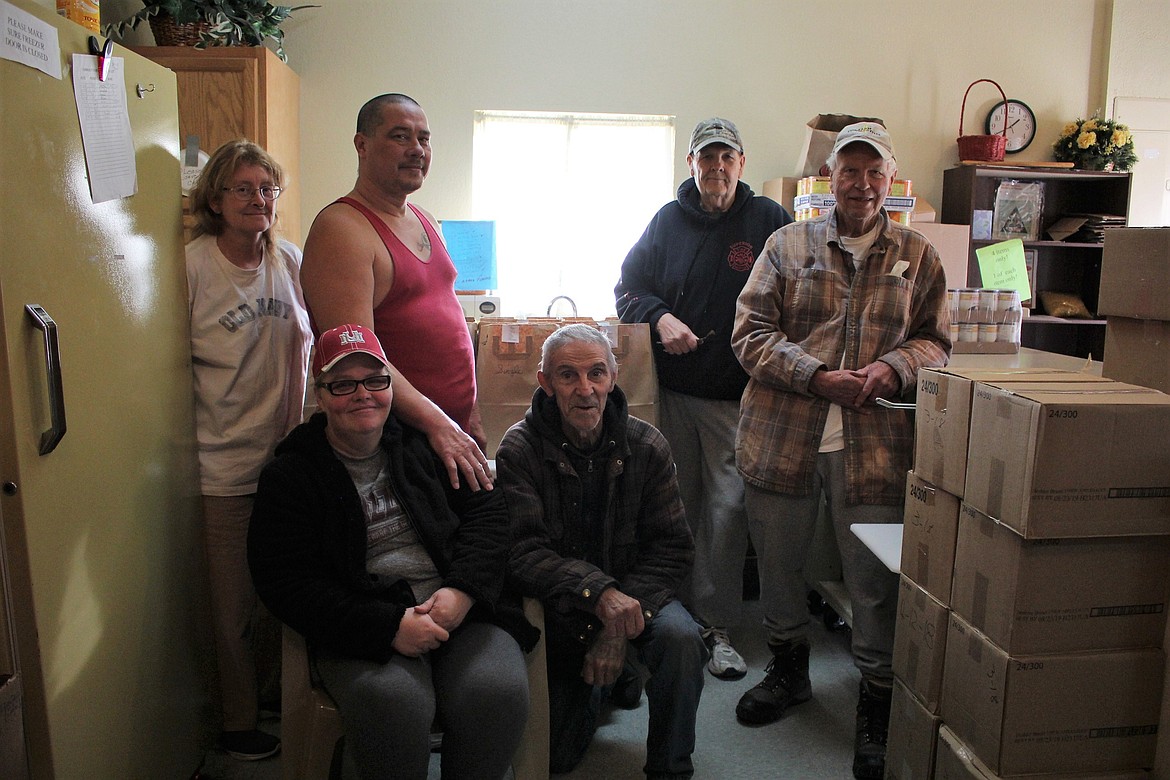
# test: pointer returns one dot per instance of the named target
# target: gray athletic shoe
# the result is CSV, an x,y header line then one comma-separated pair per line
x,y
725,663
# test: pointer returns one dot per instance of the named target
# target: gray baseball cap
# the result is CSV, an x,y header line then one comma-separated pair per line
x,y
716,130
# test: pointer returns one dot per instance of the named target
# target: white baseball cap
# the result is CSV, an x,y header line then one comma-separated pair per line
x,y
867,133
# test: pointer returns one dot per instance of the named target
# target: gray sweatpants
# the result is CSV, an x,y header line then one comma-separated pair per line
x,y
701,433
781,530
474,688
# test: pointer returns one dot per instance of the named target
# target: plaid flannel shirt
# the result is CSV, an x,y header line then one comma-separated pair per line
x,y
806,306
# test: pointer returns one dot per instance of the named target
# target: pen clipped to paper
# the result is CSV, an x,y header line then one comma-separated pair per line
x,y
104,53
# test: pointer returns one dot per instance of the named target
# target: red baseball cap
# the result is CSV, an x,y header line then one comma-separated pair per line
x,y
333,345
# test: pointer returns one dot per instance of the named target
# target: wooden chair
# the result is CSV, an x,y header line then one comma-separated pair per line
x,y
310,724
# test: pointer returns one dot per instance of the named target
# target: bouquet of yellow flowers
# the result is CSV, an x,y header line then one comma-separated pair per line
x,y
1096,145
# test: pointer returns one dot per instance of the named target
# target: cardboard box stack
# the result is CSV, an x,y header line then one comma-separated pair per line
x,y
1135,274
1135,277
920,639
957,762
1035,561
813,199
809,197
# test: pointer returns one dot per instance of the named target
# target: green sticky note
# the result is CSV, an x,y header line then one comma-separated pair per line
x,y
1002,267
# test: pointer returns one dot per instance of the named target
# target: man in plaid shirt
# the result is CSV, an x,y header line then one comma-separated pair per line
x,y
838,312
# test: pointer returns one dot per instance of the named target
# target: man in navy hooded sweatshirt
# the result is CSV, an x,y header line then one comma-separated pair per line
x,y
683,278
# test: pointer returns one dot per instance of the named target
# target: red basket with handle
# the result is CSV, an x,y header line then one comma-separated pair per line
x,y
981,148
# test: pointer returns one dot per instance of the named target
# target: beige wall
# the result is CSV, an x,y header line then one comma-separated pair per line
x,y
1139,65
769,66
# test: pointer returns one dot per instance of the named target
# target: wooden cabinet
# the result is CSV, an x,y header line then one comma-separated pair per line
x,y
1060,266
241,92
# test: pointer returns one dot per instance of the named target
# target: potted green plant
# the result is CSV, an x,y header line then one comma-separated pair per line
x,y
204,23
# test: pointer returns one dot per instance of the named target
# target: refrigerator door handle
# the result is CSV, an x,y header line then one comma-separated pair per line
x,y
44,323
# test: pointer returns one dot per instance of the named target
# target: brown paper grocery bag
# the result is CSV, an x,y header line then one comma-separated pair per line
x,y
509,356
505,372
820,133
637,374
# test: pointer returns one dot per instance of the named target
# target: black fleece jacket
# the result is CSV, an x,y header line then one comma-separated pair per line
x,y
307,543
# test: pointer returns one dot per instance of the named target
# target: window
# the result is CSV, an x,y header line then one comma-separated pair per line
x,y
570,194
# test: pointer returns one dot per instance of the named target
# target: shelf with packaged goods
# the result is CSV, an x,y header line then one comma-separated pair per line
x,y
1059,266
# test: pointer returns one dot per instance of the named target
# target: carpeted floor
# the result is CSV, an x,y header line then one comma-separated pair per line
x,y
813,741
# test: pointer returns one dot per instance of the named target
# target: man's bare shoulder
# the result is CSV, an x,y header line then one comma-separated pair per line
x,y
338,217
341,232
347,270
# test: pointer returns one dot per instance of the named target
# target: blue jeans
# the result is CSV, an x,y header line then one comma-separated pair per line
x,y
672,648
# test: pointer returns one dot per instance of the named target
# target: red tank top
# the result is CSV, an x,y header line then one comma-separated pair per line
x,y
421,324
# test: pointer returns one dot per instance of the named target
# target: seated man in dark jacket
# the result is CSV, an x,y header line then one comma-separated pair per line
x,y
600,537
359,542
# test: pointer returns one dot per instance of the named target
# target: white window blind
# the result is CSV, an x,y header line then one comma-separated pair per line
x,y
570,194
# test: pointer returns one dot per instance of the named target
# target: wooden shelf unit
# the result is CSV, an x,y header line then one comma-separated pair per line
x,y
1061,266
241,92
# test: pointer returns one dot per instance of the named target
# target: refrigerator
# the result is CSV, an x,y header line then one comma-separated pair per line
x,y
98,471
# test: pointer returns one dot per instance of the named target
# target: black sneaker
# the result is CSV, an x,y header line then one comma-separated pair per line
x,y
250,745
873,725
785,683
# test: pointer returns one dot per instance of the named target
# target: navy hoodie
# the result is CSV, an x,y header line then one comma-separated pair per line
x,y
693,264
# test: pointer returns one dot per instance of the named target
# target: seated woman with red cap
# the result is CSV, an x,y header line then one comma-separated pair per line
x,y
395,579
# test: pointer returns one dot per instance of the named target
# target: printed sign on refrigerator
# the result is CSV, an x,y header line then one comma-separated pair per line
x,y
30,41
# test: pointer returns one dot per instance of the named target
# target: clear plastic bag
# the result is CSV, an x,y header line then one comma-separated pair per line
x,y
1019,207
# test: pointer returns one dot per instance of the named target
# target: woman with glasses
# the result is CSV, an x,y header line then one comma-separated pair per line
x,y
395,578
250,341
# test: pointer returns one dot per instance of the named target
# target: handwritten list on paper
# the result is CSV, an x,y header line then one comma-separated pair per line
x,y
472,246
105,128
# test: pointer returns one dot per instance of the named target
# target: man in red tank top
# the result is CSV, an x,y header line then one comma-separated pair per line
x,y
374,259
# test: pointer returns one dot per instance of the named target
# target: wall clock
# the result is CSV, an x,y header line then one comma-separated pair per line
x,y
1021,124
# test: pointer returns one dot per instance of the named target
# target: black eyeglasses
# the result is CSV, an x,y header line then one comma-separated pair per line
x,y
349,386
244,192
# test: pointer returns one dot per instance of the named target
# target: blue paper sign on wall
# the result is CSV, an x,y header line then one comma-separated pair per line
x,y
472,246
